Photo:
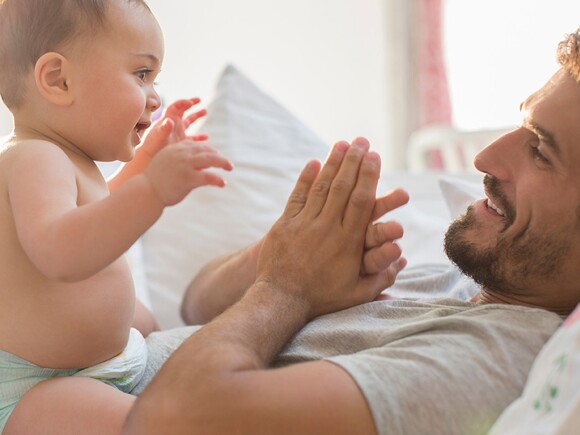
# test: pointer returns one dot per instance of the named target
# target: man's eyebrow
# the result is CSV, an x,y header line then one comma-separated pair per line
x,y
541,132
546,137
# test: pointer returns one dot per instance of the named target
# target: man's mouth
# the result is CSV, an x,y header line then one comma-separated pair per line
x,y
495,208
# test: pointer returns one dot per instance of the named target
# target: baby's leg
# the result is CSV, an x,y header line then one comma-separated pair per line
x,y
143,319
70,406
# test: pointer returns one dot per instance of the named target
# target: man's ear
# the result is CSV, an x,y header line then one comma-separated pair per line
x,y
51,74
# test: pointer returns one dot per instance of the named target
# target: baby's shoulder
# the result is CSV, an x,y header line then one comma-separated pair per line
x,y
14,148
27,154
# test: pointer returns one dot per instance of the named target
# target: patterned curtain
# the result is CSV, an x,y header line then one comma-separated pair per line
x,y
419,91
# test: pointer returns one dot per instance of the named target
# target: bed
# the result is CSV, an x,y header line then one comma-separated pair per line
x,y
269,146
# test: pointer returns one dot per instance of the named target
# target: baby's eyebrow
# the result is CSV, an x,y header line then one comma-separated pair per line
x,y
149,56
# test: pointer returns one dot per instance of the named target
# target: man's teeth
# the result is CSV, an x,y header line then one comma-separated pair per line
x,y
495,207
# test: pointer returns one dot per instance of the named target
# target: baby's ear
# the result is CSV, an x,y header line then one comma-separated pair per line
x,y
52,81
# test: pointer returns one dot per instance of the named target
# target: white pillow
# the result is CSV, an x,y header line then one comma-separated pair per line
x,y
269,147
459,193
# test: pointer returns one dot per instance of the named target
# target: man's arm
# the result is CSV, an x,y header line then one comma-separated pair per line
x,y
219,284
218,381
224,280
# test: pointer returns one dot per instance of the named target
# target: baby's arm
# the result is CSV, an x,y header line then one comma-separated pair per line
x,y
69,242
176,112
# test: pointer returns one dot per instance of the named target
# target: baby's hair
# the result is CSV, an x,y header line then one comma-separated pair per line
x,y
569,54
31,28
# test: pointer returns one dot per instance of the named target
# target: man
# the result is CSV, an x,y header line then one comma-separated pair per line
x,y
390,366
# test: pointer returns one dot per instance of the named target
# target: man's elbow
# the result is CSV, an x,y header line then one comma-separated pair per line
x,y
191,312
150,417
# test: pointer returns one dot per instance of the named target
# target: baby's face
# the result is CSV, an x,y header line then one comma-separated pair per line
x,y
114,90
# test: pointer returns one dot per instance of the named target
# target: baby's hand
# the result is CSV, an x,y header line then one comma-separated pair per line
x,y
181,122
180,167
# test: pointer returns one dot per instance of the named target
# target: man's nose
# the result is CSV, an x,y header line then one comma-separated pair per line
x,y
501,157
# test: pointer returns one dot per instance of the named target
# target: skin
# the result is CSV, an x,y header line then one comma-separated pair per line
x,y
227,386
218,380
233,274
68,294
319,242
531,252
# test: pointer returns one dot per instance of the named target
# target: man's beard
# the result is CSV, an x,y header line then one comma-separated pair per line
x,y
508,265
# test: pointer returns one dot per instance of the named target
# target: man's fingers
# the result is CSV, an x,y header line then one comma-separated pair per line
x,y
361,201
343,184
319,191
392,200
299,194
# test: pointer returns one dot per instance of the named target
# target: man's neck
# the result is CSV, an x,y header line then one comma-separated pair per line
x,y
486,296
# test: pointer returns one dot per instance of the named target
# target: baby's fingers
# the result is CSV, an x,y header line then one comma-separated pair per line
x,y
392,200
381,232
190,119
210,159
179,107
380,258
373,284
198,137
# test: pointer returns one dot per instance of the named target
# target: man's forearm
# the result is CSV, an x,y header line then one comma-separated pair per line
x,y
199,375
218,285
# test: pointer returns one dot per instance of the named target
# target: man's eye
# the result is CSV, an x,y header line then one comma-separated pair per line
x,y
537,154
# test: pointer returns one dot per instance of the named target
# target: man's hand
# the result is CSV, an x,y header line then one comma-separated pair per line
x,y
315,250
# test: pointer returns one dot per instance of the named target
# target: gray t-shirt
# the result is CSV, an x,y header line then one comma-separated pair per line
x,y
425,366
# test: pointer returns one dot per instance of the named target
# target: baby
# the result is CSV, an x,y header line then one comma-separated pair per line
x,y
78,76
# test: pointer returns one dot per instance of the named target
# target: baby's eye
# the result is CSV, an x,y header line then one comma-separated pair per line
x,y
142,74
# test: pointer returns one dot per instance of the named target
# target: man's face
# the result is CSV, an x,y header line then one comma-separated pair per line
x,y
523,240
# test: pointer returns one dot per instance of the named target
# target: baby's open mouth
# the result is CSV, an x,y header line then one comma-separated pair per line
x,y
141,127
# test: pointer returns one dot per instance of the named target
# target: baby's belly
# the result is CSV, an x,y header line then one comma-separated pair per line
x,y
70,325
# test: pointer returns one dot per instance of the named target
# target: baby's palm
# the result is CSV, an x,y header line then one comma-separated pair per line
x,y
176,112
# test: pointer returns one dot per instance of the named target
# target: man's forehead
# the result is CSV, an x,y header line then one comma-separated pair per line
x,y
555,110
546,90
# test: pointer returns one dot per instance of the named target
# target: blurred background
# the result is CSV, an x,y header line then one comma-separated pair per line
x,y
390,70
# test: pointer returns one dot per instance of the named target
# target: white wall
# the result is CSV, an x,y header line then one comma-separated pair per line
x,y
6,121
323,59
499,52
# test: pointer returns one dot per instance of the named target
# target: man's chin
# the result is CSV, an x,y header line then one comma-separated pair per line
x,y
473,259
